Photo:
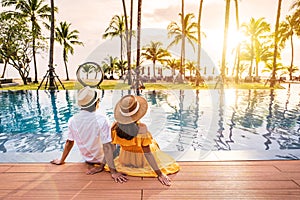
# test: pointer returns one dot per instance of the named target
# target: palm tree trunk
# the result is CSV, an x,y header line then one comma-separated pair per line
x,y
198,75
65,62
138,47
128,39
273,78
239,45
51,51
154,75
182,59
252,57
292,58
33,50
223,66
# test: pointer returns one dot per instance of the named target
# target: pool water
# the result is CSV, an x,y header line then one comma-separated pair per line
x,y
228,124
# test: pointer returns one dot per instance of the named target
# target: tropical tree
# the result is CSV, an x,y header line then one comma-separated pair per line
x,y
109,65
273,78
224,51
155,52
199,42
256,31
67,38
15,45
128,34
116,28
138,43
187,31
34,11
122,66
191,66
238,52
287,30
174,64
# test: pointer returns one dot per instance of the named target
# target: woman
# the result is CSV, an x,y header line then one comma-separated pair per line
x,y
139,153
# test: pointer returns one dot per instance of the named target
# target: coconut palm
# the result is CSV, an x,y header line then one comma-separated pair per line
x,y
155,52
287,31
238,53
191,66
122,66
109,65
116,28
174,64
128,34
138,47
224,51
198,75
34,11
255,30
186,31
273,78
67,38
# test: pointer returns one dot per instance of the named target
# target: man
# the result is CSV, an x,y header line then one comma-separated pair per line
x,y
91,132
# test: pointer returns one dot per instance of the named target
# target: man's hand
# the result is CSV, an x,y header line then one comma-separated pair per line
x,y
119,178
57,162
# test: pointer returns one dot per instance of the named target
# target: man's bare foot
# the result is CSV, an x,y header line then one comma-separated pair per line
x,y
94,170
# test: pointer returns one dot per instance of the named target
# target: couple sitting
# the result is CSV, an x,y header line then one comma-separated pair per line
x,y
96,139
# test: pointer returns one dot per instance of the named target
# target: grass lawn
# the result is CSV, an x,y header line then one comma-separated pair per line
x,y
119,85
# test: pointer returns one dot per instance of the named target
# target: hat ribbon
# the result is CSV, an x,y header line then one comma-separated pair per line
x,y
128,114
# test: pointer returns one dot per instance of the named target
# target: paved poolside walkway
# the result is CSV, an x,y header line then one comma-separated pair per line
x,y
196,180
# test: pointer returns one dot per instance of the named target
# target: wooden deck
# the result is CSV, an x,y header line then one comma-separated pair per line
x,y
196,180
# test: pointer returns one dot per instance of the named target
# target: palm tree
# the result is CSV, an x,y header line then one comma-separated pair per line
x,y
187,31
198,75
67,38
109,65
223,64
155,52
34,11
174,64
273,78
286,31
138,54
122,66
237,66
116,28
129,32
255,30
191,66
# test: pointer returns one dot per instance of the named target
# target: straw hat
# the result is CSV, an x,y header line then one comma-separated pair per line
x,y
130,109
87,97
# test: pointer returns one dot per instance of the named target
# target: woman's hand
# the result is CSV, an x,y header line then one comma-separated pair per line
x,y
164,179
119,178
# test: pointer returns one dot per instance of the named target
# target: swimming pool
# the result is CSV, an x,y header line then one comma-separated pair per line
x,y
228,124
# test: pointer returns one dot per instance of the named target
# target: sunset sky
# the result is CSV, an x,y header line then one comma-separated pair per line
x,y
91,18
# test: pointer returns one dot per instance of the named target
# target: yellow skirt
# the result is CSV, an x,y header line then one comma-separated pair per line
x,y
132,161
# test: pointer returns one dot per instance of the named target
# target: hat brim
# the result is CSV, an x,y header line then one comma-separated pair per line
x,y
98,95
133,118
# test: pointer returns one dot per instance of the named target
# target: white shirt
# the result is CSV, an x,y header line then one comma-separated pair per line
x,y
90,130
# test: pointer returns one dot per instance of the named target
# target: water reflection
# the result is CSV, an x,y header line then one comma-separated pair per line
x,y
34,121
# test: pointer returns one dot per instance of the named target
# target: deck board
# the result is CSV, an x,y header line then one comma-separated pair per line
x,y
196,180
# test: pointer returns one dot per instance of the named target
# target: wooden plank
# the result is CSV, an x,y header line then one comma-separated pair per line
x,y
71,194
230,168
221,194
78,176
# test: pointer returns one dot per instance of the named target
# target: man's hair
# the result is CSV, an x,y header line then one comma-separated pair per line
x,y
92,108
